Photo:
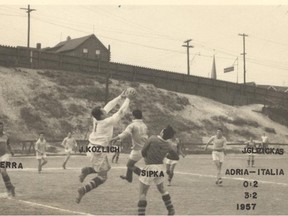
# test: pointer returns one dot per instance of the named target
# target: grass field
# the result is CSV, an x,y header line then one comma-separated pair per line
x,y
193,189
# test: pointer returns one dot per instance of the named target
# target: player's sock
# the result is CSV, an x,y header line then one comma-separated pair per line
x,y
142,207
95,182
85,189
248,162
44,162
113,158
86,171
252,163
170,176
129,175
8,184
117,158
168,203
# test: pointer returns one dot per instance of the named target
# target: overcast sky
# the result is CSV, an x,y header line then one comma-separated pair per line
x,y
152,35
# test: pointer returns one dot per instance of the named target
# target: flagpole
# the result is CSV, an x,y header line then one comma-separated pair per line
x,y
237,70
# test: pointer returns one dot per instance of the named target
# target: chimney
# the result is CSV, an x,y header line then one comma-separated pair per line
x,y
213,72
38,46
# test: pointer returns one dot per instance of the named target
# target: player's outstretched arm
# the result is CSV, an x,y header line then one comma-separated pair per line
x,y
209,141
145,148
113,140
111,104
120,113
225,147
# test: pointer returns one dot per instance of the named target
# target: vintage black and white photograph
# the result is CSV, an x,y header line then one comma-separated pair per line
x,y
144,107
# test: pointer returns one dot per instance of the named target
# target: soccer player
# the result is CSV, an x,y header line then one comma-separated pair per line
x,y
138,131
154,151
170,164
219,150
5,150
69,144
40,149
251,144
102,133
117,153
265,141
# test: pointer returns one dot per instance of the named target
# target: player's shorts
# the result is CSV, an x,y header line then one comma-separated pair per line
x,y
148,180
170,162
68,150
218,156
4,158
135,155
40,156
99,161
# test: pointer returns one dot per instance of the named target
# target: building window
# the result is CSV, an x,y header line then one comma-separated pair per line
x,y
85,50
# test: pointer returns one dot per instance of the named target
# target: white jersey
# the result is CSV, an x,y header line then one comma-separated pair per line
x,y
69,143
41,145
219,144
103,129
264,139
138,130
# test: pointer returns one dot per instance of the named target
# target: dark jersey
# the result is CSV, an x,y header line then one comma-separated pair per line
x,y
156,149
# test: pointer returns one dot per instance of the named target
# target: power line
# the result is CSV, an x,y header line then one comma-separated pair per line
x,y
11,15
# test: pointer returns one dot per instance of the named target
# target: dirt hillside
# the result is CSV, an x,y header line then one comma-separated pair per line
x,y
56,102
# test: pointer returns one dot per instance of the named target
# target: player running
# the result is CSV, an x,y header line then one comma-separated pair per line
x,y
219,150
40,148
5,150
69,144
170,163
138,131
154,151
102,133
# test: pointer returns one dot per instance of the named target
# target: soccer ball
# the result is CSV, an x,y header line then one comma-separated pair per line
x,y
130,92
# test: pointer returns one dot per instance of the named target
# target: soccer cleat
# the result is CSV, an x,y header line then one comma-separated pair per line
x,y
220,181
83,175
81,193
171,212
125,178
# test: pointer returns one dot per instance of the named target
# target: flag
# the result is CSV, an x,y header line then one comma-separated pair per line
x,y
228,69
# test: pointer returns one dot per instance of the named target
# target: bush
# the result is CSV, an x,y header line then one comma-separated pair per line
x,y
236,121
32,119
93,93
245,133
47,103
270,130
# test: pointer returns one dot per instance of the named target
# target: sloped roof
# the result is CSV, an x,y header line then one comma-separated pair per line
x,y
277,88
74,43
71,44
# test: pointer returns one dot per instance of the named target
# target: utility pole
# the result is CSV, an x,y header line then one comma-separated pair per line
x,y
244,54
188,46
28,10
